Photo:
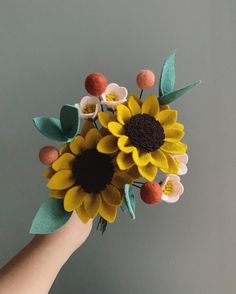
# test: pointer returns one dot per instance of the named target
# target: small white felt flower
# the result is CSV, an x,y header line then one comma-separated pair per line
x,y
172,188
113,95
89,107
182,160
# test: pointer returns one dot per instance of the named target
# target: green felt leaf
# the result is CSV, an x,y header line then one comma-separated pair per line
x,y
167,79
128,204
50,217
70,120
50,127
178,93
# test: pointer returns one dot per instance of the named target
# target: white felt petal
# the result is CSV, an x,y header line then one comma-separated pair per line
x,y
111,88
182,169
178,189
169,199
182,158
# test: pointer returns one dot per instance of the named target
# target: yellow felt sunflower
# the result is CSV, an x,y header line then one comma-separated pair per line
x,y
145,135
89,181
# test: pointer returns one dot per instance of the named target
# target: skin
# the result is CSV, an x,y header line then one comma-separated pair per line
x,y
35,267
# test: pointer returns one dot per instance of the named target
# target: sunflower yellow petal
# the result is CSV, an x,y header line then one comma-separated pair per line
x,y
172,167
87,125
133,106
92,138
74,198
167,117
123,114
125,145
158,158
65,161
136,98
58,194
92,204
82,214
164,107
108,212
77,145
105,118
174,147
124,160
107,145
151,105
48,173
61,180
116,129
65,148
141,158
104,132
111,195
120,179
134,172
173,134
148,172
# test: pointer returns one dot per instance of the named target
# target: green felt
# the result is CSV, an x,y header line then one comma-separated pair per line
x,y
50,128
128,204
70,120
178,93
167,79
50,217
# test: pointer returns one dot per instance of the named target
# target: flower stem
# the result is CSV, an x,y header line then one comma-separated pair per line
x,y
94,121
141,93
136,186
137,182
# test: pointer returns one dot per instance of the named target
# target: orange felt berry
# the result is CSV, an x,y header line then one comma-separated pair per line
x,y
95,83
145,79
151,193
48,154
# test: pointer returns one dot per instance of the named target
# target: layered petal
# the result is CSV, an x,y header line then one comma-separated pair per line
x,y
124,160
82,214
148,172
74,198
108,212
111,195
174,147
158,158
65,161
92,138
151,105
92,204
61,180
134,106
123,114
167,118
77,146
116,129
125,145
120,179
105,118
141,158
107,145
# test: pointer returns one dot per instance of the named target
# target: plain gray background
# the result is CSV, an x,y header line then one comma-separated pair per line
x,y
46,49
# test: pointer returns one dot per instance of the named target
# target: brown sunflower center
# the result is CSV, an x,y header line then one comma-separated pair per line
x,y
93,170
145,132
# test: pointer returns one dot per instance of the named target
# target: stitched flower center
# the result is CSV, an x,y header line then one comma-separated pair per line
x,y
93,170
112,97
89,108
145,132
169,187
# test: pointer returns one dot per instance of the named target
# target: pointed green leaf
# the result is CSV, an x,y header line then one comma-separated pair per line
x,y
128,204
50,217
167,79
163,100
70,120
50,127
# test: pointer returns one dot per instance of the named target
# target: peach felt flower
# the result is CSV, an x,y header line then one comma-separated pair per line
x,y
172,188
113,95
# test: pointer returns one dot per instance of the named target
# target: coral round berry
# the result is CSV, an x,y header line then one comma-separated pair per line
x,y
95,83
48,154
145,79
151,193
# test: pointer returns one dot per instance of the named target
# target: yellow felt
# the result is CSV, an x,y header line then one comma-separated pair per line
x,y
164,107
125,145
111,195
120,179
177,126
174,147
123,114
141,158
158,158
92,203
63,162
58,194
136,98
77,145
104,132
65,148
61,180
107,145
108,212
92,138
172,167
134,172
133,106
74,198
48,173
82,214
124,160
116,129
105,118
148,172
151,105
87,125
167,117
173,134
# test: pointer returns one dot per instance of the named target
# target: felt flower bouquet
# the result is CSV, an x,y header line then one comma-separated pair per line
x,y
112,141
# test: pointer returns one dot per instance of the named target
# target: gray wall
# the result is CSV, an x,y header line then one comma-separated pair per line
x,y
46,49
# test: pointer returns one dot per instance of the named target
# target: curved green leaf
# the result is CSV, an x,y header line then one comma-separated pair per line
x,y
50,217
128,204
50,128
167,79
163,100
70,120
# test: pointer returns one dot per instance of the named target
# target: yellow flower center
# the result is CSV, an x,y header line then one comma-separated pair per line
x,y
89,108
169,187
112,97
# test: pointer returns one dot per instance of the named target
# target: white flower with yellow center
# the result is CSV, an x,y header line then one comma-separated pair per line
x,y
89,107
113,95
182,160
172,188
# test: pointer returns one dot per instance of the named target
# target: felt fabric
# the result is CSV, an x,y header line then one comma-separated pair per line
x,y
82,214
129,201
70,120
74,198
134,106
108,212
148,171
116,129
172,167
92,138
173,135
125,145
63,162
92,204
150,105
167,78
120,179
158,158
167,99
174,147
111,195
107,145
77,146
167,117
124,161
58,194
123,114
50,217
61,180
141,158
105,118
